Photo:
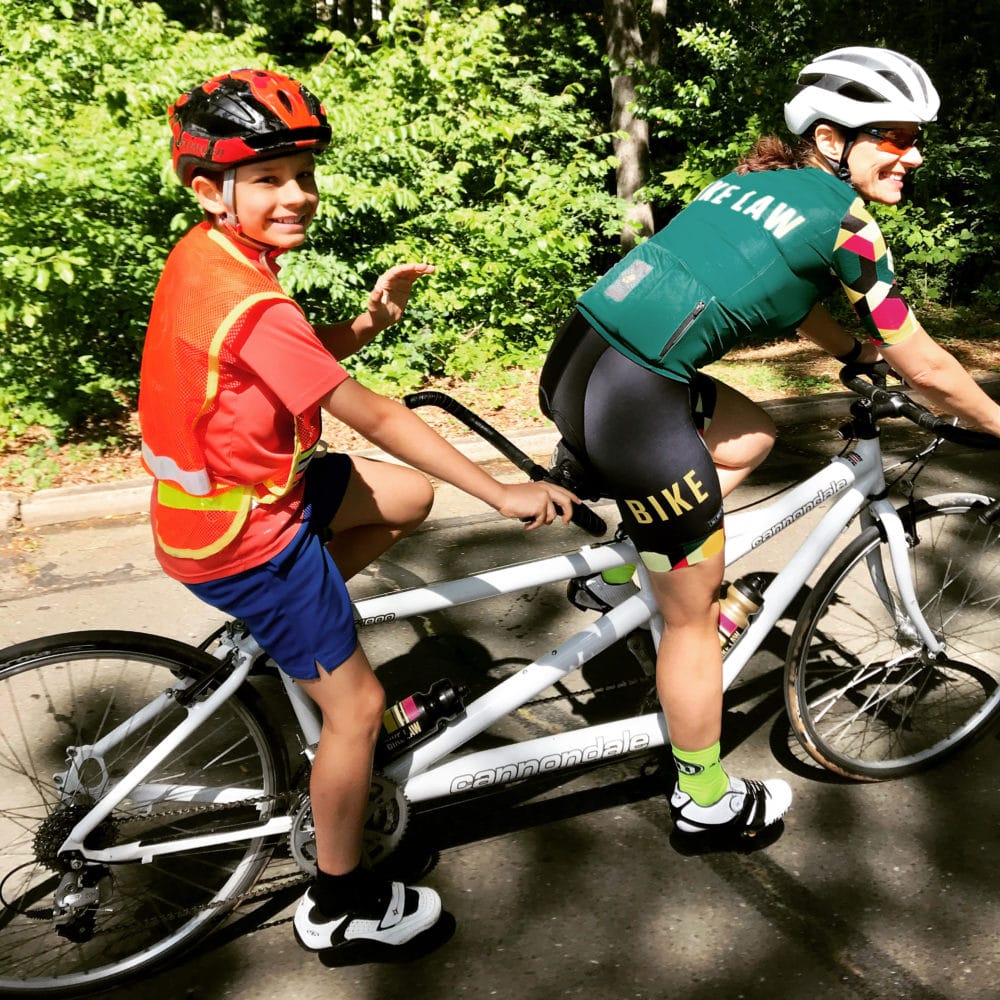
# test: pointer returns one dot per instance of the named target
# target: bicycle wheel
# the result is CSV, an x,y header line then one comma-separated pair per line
x,y
864,697
66,692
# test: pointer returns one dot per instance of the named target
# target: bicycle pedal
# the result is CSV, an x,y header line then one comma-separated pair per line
x,y
578,594
594,593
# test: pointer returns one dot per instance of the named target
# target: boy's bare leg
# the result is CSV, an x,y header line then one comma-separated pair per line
x,y
382,503
352,702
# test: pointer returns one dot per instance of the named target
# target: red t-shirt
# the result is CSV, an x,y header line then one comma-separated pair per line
x,y
277,370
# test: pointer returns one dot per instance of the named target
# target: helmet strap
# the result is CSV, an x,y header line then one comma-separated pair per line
x,y
840,167
842,170
229,219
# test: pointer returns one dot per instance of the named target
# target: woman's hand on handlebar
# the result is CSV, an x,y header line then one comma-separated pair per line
x,y
870,354
537,503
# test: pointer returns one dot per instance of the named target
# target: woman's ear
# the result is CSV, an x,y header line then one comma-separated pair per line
x,y
828,141
208,190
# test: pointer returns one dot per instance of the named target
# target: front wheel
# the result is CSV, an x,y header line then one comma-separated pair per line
x,y
79,712
864,697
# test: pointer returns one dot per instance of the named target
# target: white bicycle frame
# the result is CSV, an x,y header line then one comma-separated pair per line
x,y
845,484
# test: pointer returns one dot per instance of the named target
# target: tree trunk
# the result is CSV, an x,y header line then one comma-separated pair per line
x,y
631,147
218,14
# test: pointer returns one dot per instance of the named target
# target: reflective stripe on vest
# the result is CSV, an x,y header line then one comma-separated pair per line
x,y
197,482
229,506
195,514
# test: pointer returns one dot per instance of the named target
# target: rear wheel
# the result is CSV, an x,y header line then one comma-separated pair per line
x,y
864,696
65,931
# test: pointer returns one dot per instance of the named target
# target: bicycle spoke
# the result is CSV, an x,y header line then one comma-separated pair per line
x,y
102,698
867,700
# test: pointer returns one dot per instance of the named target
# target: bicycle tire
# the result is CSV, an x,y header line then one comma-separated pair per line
x,y
862,698
63,691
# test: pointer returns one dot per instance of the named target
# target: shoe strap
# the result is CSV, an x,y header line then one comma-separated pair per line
x,y
394,910
753,815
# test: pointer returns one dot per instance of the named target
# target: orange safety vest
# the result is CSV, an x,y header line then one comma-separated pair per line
x,y
208,293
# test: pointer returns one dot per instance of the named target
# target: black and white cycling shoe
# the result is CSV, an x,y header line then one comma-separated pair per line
x,y
746,809
408,912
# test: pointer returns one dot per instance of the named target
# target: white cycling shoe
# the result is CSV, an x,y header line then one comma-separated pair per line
x,y
408,912
746,809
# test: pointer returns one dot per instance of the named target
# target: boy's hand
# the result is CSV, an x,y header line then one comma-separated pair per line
x,y
535,503
388,298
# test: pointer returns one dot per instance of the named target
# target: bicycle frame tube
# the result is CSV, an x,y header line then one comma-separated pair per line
x,y
197,713
492,583
846,483
549,753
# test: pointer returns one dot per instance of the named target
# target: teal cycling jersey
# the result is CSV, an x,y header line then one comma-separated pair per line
x,y
752,254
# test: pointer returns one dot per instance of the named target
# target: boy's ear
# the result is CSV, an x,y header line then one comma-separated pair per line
x,y
208,191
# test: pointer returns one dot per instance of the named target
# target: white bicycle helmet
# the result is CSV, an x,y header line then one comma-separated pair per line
x,y
857,86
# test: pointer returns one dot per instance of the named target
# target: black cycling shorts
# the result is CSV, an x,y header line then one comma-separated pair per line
x,y
641,432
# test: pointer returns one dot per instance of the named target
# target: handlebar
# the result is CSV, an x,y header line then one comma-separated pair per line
x,y
868,381
583,517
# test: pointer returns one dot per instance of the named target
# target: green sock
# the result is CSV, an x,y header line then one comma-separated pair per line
x,y
620,574
701,775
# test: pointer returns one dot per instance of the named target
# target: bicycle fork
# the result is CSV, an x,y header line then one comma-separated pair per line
x,y
911,625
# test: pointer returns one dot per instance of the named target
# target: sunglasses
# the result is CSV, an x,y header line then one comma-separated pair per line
x,y
893,140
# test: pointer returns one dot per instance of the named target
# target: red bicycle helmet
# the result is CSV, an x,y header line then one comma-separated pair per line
x,y
241,116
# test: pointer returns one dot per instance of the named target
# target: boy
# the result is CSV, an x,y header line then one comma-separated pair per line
x,y
233,382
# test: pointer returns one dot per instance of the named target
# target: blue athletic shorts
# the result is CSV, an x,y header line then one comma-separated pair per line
x,y
296,605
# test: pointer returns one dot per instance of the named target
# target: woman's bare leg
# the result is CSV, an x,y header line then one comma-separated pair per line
x,y
739,437
689,662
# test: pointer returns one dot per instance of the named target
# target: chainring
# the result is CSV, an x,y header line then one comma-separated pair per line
x,y
386,820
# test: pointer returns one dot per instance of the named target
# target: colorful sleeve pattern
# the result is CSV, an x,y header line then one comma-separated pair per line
x,y
863,263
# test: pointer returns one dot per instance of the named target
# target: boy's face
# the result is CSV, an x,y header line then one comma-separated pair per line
x,y
276,200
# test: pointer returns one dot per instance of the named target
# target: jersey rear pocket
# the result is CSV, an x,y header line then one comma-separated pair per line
x,y
682,328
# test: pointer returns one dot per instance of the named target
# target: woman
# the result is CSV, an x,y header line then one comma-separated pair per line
x,y
753,254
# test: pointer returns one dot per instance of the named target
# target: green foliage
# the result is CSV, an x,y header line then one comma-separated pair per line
x,y
468,134
447,147
727,68
85,208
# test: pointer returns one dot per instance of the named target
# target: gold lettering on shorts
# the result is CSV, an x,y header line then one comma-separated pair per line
x,y
672,501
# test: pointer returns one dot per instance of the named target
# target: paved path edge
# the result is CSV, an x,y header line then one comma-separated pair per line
x,y
84,503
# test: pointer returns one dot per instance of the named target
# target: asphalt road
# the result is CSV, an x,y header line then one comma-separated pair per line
x,y
871,890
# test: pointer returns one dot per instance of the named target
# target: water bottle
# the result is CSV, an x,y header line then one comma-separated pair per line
x,y
413,719
738,607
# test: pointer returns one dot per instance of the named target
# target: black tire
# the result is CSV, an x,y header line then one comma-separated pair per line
x,y
65,691
862,697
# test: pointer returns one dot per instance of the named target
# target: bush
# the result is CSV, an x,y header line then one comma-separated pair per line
x,y
446,148
87,201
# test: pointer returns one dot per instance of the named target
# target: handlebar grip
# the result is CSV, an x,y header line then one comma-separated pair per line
x,y
966,438
589,520
583,517
864,379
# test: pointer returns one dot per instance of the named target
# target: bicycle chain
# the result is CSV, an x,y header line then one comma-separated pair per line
x,y
265,887
617,686
280,798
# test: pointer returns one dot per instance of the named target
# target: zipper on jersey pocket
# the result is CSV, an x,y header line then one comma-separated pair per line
x,y
683,328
